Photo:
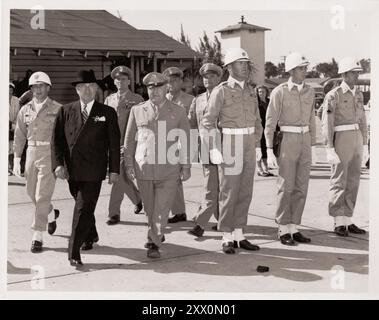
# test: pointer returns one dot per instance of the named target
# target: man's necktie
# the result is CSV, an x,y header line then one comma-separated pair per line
x,y
84,114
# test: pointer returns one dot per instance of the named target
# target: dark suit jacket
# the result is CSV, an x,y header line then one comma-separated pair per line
x,y
87,150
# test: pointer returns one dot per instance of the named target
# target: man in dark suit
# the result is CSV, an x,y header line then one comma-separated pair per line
x,y
86,142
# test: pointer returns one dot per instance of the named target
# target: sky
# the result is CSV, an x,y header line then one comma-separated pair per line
x,y
307,31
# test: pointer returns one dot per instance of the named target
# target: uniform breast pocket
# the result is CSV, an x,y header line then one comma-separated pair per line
x,y
50,119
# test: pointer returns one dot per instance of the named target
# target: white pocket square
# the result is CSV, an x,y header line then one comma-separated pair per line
x,y
96,119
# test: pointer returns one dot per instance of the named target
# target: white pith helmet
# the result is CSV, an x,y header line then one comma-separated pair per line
x,y
234,54
348,64
295,59
39,76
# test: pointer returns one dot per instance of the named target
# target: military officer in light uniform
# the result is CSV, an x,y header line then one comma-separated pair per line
x,y
150,155
34,126
345,131
292,108
122,101
178,96
211,74
233,106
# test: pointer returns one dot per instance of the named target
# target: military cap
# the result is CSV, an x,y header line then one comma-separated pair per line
x,y
210,67
121,70
155,79
173,71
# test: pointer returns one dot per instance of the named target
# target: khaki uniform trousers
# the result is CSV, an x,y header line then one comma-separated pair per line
x,y
157,197
179,205
123,186
345,178
211,187
295,161
236,186
40,183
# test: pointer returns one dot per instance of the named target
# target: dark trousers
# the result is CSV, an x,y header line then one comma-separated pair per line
x,y
83,222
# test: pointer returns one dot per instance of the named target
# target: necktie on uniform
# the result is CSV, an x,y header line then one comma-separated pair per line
x,y
84,114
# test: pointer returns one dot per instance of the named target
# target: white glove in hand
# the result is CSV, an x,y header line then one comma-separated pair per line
x,y
258,154
332,156
17,167
271,159
314,155
215,156
365,155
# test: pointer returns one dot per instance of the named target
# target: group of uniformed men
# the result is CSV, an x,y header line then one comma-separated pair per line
x,y
152,143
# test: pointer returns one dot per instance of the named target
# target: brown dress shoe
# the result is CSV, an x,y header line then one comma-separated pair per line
x,y
341,231
245,244
287,240
36,246
298,237
197,231
227,247
352,228
113,220
177,218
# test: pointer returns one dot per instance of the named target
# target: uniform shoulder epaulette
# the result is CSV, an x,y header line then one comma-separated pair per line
x,y
332,93
139,104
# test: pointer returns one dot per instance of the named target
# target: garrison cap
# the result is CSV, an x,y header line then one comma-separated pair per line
x,y
210,67
155,79
173,71
121,70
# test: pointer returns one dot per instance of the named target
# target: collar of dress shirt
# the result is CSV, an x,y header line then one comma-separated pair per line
x,y
89,106
292,84
37,105
345,88
233,82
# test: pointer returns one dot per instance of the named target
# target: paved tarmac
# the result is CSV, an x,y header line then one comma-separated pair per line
x,y
118,263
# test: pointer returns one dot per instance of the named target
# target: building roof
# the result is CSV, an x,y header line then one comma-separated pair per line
x,y
242,25
89,30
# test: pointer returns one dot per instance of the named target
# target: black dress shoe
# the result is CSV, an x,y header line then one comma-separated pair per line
x,y
287,240
352,228
113,220
138,208
87,246
148,245
197,231
153,251
76,262
36,246
52,226
177,218
227,247
245,244
341,231
298,237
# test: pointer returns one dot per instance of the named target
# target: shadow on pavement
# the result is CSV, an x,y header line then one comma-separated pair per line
x,y
288,264
16,184
11,269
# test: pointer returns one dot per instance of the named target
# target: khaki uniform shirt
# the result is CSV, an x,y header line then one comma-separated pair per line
x,y
123,104
33,126
146,143
182,99
341,107
230,106
290,108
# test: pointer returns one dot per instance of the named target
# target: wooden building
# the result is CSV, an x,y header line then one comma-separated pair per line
x,y
70,40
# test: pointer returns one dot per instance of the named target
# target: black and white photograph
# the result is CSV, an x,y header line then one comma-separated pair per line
x,y
198,150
